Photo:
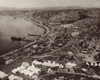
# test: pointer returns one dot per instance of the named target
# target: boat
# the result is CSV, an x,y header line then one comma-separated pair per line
x,y
17,38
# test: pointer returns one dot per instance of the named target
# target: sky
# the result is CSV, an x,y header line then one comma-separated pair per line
x,y
48,3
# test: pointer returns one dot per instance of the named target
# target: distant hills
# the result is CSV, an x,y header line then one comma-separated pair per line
x,y
46,8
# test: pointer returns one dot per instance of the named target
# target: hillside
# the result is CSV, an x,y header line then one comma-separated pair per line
x,y
73,41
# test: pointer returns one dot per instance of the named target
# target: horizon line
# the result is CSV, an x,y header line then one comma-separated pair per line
x,y
59,7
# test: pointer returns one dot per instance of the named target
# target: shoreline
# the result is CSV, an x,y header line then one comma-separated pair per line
x,y
39,24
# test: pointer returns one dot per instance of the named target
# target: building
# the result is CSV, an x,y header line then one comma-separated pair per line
x,y
74,34
47,63
3,75
93,64
9,61
69,67
35,46
49,71
26,69
67,25
14,77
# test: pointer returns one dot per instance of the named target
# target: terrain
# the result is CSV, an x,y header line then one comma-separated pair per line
x,y
71,36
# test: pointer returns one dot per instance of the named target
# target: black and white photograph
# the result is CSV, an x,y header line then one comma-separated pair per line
x,y
49,39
